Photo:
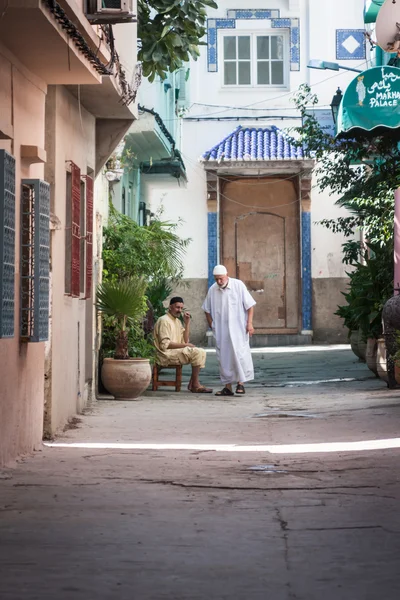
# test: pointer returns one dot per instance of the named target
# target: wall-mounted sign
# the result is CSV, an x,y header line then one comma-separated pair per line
x,y
372,102
325,119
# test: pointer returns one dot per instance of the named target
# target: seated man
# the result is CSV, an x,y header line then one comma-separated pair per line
x,y
171,340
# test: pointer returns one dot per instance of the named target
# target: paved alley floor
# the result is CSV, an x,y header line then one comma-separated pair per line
x,y
290,492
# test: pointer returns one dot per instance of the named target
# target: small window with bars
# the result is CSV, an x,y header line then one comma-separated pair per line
x,y
35,260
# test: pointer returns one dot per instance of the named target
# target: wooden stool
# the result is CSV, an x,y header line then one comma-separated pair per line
x,y
177,382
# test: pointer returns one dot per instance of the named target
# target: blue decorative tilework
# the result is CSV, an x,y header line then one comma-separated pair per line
x,y
253,14
251,143
306,271
225,23
212,245
279,23
212,26
350,44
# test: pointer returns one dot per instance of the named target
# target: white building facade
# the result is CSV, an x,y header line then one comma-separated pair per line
x,y
250,200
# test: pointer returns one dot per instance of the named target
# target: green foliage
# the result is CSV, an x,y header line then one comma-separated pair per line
x,y
138,344
123,300
123,304
396,357
169,33
155,251
370,287
364,172
157,292
126,299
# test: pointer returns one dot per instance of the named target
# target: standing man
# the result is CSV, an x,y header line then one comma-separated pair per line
x,y
172,344
229,312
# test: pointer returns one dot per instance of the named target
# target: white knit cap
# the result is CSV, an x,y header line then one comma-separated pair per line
x,y
220,270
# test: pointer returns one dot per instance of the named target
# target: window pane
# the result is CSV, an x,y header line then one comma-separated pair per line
x,y
263,73
277,47
263,46
244,73
230,73
244,47
229,47
277,73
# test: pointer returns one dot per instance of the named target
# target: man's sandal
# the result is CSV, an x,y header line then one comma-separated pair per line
x,y
201,390
240,389
225,392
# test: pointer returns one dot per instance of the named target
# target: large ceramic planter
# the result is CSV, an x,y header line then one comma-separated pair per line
x,y
126,379
370,358
381,360
397,373
354,336
362,345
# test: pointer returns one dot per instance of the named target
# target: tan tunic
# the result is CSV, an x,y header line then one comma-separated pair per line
x,y
168,330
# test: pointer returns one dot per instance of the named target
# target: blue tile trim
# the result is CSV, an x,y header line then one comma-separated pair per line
x,y
212,245
252,14
359,52
306,271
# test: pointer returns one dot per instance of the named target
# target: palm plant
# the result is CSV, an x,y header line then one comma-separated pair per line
x,y
125,303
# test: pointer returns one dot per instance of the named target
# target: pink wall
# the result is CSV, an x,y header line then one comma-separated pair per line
x,y
22,103
70,133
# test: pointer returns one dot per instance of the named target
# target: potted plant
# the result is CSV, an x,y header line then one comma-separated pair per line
x,y
369,287
123,305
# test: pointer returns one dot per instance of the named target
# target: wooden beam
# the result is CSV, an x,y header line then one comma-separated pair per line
x,y
33,154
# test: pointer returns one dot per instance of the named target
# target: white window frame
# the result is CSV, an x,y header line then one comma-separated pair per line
x,y
253,58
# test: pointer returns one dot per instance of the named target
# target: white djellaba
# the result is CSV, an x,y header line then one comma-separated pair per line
x,y
228,308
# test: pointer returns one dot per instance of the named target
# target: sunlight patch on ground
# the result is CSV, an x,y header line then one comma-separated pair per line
x,y
291,349
384,444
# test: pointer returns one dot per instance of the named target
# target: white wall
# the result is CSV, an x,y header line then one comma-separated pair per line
x,y
319,20
326,245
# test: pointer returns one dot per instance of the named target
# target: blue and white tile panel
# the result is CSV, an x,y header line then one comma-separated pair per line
x,y
350,44
212,245
306,279
252,144
251,14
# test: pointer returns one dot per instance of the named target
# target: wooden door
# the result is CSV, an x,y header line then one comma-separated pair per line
x,y
260,246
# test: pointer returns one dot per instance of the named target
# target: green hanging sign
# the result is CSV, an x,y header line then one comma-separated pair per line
x,y
371,103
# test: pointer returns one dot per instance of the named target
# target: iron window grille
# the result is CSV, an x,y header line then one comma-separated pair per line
x,y
7,244
35,260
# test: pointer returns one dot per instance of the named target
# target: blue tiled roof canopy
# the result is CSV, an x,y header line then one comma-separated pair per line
x,y
253,143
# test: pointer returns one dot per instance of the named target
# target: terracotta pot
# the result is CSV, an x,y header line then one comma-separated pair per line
x,y
362,345
397,373
381,360
354,342
370,358
126,379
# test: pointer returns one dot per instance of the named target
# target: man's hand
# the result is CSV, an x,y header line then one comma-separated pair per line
x,y
186,318
250,329
190,345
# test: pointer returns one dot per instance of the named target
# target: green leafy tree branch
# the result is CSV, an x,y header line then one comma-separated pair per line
x,y
363,172
169,33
